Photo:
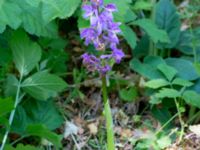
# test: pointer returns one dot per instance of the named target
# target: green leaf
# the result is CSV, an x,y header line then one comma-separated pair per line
x,y
32,20
197,68
157,83
192,98
164,142
58,9
129,35
26,54
128,94
124,13
141,49
168,93
22,147
9,15
182,82
167,18
149,67
43,132
33,112
168,71
4,122
163,115
184,67
157,35
43,85
11,84
6,106
189,41
143,5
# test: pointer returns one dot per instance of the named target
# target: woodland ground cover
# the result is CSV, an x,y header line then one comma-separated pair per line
x,y
142,94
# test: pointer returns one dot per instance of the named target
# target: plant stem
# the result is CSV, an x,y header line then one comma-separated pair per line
x,y
17,99
152,48
108,115
180,120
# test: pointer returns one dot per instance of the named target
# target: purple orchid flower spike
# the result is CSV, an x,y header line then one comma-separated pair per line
x,y
102,33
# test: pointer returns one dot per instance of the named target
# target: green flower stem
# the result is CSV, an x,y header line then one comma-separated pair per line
x,y
108,115
17,99
180,120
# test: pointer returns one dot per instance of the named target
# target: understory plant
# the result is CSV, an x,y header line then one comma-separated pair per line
x,y
102,34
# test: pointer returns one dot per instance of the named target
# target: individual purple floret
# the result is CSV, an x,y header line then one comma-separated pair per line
x,y
102,33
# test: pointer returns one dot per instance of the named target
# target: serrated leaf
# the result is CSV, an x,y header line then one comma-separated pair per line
x,y
182,82
34,111
157,35
192,98
32,20
26,54
58,9
167,18
184,67
43,132
43,85
129,35
157,83
189,41
9,15
168,93
6,106
168,71
149,67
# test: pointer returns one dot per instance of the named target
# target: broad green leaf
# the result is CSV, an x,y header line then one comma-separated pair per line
x,y
9,15
157,35
32,20
167,18
58,9
192,98
182,82
129,35
189,41
162,114
43,85
168,71
43,132
128,94
34,111
22,147
5,56
43,112
11,84
156,83
26,54
4,122
142,47
184,67
143,5
6,106
168,93
149,67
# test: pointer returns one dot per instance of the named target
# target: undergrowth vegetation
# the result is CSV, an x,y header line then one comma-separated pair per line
x,y
54,97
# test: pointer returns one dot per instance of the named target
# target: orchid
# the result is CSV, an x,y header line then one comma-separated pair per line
x,y
102,33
